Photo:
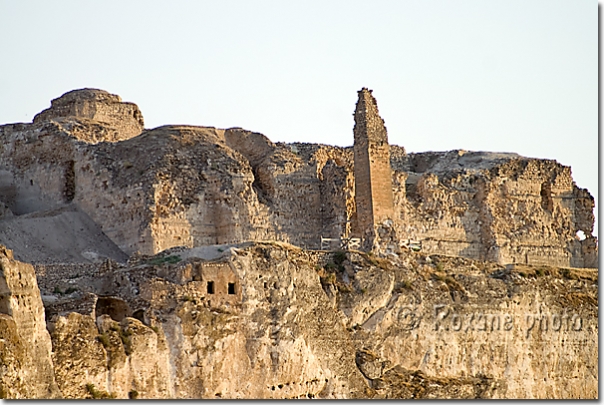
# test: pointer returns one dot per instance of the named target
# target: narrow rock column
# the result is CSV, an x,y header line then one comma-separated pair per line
x,y
372,171
26,369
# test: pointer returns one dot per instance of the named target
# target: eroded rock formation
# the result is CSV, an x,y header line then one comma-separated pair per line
x,y
155,278
26,369
194,186
282,322
94,116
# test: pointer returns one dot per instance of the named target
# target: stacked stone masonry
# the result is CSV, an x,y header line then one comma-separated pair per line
x,y
372,170
196,186
181,283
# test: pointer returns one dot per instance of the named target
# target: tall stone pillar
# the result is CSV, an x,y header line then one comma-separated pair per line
x,y
372,171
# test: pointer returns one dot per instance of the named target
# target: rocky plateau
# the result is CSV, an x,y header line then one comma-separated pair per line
x,y
197,262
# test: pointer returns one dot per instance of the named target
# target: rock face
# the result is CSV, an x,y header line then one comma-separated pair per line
x,y
28,236
26,369
187,262
194,186
81,111
498,207
316,325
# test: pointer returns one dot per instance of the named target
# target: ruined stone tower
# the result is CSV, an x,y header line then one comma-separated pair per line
x,y
372,172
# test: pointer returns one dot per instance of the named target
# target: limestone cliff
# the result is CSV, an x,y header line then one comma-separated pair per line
x,y
189,262
194,186
26,369
94,115
282,322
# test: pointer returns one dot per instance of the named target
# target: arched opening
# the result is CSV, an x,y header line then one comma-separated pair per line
x,y
69,186
139,314
547,203
116,308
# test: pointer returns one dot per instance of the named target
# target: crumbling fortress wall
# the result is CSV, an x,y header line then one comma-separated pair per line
x,y
220,312
196,186
498,207
77,108
372,170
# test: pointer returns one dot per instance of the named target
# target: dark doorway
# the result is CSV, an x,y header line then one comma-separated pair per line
x,y
231,288
115,307
210,287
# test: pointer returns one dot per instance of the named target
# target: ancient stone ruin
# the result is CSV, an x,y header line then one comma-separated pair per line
x,y
197,186
372,171
197,262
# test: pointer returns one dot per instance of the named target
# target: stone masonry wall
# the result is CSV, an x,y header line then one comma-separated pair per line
x,y
195,186
499,207
98,106
373,175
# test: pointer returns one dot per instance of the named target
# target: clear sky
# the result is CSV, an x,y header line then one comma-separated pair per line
x,y
509,76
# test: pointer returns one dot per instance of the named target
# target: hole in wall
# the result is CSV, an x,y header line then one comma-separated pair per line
x,y
69,186
547,203
231,288
210,287
139,314
116,308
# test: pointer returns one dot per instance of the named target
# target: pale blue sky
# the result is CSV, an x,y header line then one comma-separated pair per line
x,y
512,76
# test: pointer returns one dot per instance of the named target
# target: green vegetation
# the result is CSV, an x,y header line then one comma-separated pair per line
x,y
329,278
339,257
125,337
70,290
96,394
568,274
104,339
330,266
403,285
173,259
133,394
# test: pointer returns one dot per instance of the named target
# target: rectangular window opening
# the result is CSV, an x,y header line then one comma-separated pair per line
x,y
231,288
210,287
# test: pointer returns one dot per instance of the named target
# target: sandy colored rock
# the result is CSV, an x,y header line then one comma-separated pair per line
x,y
187,262
25,350
302,325
81,111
